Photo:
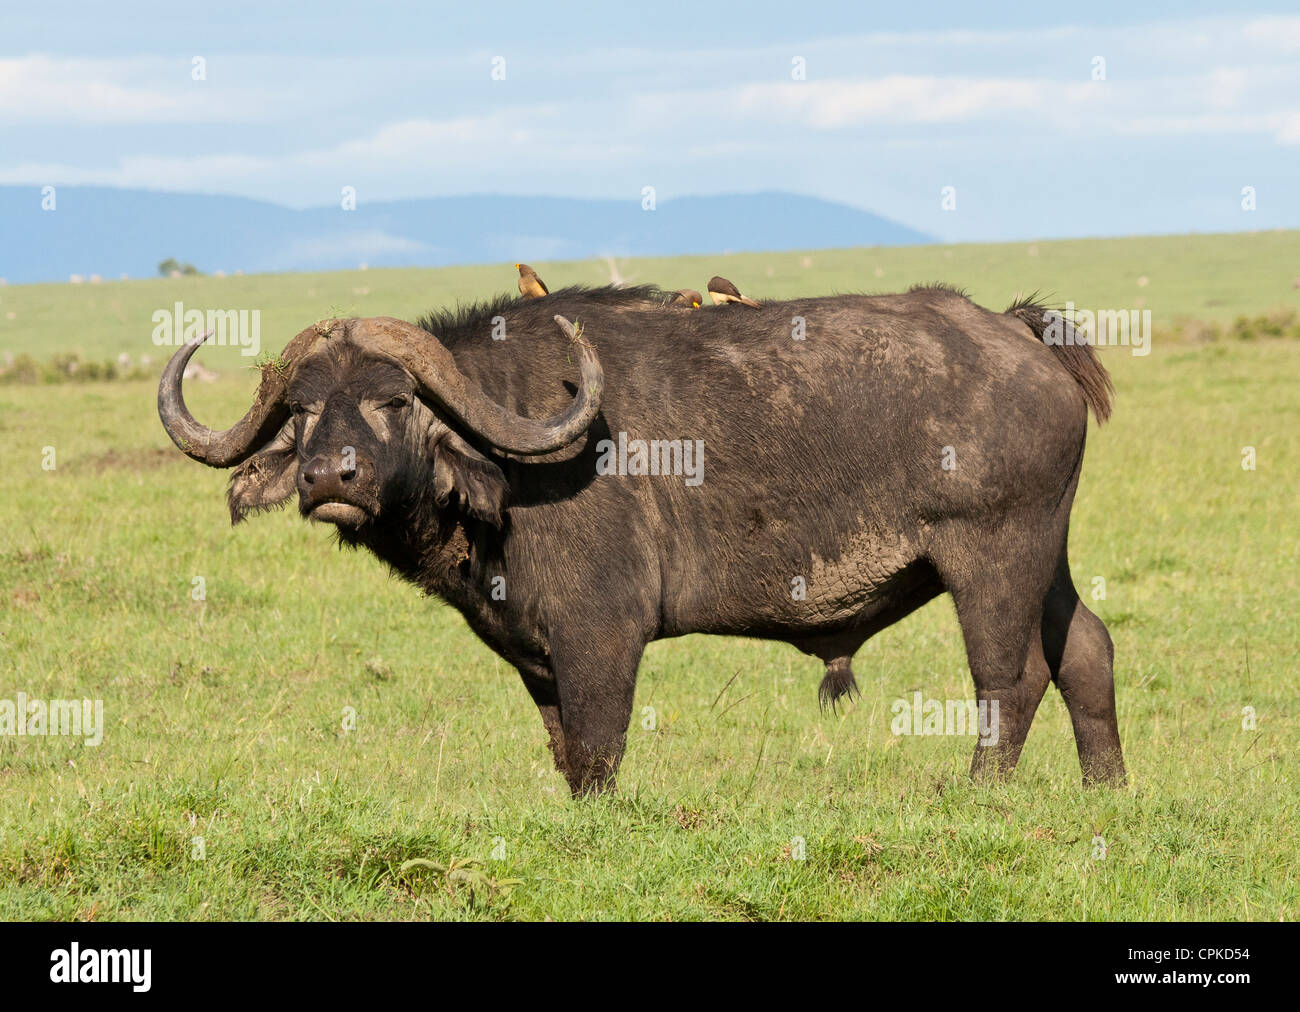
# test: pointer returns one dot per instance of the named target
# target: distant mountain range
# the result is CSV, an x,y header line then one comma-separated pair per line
x,y
110,232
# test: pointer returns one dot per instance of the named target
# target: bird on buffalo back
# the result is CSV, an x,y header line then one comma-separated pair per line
x,y
721,290
686,298
530,285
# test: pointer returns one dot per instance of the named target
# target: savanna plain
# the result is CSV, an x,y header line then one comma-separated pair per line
x,y
232,784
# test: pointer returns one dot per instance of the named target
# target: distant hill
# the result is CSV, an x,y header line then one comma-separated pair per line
x,y
110,232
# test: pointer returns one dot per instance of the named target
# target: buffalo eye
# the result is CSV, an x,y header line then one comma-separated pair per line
x,y
399,401
295,407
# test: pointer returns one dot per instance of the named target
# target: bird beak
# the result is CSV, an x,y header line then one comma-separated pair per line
x,y
516,267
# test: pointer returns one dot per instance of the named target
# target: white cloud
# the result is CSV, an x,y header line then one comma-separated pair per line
x,y
1273,33
1288,130
834,105
185,173
45,89
425,138
361,247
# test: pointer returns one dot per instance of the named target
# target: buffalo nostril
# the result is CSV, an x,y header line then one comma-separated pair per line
x,y
317,469
347,473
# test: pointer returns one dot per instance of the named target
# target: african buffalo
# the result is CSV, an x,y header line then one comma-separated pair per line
x,y
843,460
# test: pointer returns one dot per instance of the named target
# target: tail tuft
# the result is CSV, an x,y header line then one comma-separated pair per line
x,y
1077,356
837,682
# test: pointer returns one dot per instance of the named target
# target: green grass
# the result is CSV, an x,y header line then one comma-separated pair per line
x,y
1208,277
224,717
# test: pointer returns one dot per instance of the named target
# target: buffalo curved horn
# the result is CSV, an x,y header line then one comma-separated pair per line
x,y
259,425
421,354
432,366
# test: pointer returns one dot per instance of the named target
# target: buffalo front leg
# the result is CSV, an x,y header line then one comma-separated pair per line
x,y
596,682
540,684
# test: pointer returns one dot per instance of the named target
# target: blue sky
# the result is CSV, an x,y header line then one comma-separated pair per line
x,y
898,102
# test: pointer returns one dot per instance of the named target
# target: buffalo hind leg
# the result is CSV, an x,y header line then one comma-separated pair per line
x,y
1030,688
998,587
1081,656
596,682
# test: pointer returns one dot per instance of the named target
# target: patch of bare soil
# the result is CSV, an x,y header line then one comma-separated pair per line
x,y
133,460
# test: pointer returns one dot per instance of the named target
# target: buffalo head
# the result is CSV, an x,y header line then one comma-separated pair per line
x,y
358,416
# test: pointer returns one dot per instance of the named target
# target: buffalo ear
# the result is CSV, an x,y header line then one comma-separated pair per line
x,y
267,479
478,483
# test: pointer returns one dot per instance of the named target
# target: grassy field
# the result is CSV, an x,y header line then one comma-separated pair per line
x,y
227,787
1204,277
